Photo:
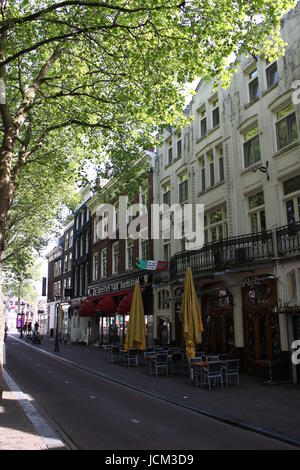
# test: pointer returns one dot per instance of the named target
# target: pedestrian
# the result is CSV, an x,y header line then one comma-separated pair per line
x,y
5,330
36,327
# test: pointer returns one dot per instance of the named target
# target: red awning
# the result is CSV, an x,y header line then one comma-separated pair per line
x,y
87,309
106,306
125,304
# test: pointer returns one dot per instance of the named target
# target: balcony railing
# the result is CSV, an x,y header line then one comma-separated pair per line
x,y
288,239
233,251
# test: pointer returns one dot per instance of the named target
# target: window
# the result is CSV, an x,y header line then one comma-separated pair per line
x,y
82,218
286,127
71,239
86,275
183,188
292,185
215,225
292,204
66,241
144,197
221,168
104,225
95,267
292,285
66,263
77,249
104,262
253,85
179,147
272,74
57,268
167,251
257,212
203,178
212,174
96,223
251,147
143,250
81,245
215,113
115,258
203,124
87,215
70,262
129,259
169,153
87,240
167,194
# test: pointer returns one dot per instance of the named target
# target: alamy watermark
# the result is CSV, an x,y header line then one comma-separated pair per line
x,y
178,222
296,353
2,91
296,93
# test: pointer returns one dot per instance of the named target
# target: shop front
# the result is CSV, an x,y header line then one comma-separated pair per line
x,y
113,301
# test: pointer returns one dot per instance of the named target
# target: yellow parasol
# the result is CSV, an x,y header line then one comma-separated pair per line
x,y
136,332
191,316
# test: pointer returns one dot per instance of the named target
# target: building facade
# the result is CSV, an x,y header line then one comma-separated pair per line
x,y
54,287
80,268
240,158
114,269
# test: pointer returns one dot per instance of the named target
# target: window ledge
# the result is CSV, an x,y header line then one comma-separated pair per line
x,y
177,159
270,89
168,165
213,130
220,183
252,167
200,139
285,149
248,105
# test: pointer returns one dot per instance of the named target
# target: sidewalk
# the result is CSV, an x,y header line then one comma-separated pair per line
x,y
16,431
273,409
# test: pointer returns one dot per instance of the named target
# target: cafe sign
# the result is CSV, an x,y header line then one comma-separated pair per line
x,y
113,286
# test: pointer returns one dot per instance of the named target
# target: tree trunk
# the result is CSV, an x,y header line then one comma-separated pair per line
x,y
1,336
5,198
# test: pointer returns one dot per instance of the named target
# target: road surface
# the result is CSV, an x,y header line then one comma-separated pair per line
x,y
93,413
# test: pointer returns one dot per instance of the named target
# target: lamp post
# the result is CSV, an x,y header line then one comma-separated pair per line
x,y
22,319
56,343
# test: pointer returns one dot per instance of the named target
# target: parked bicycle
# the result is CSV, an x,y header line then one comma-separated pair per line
x,y
33,337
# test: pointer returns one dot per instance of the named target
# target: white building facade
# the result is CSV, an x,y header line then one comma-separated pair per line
x,y
240,157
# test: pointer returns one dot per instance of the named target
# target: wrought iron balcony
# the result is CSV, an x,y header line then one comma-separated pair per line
x,y
288,239
233,251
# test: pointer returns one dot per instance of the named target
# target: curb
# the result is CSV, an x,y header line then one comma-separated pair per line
x,y
209,414
47,434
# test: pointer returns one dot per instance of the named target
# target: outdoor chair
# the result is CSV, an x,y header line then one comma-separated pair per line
x,y
194,371
132,358
161,363
231,369
223,357
176,360
212,358
115,355
213,374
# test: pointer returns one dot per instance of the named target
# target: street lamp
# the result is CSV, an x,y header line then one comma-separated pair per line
x,y
56,344
22,319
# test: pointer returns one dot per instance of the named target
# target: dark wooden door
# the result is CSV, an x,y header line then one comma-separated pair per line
x,y
261,324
